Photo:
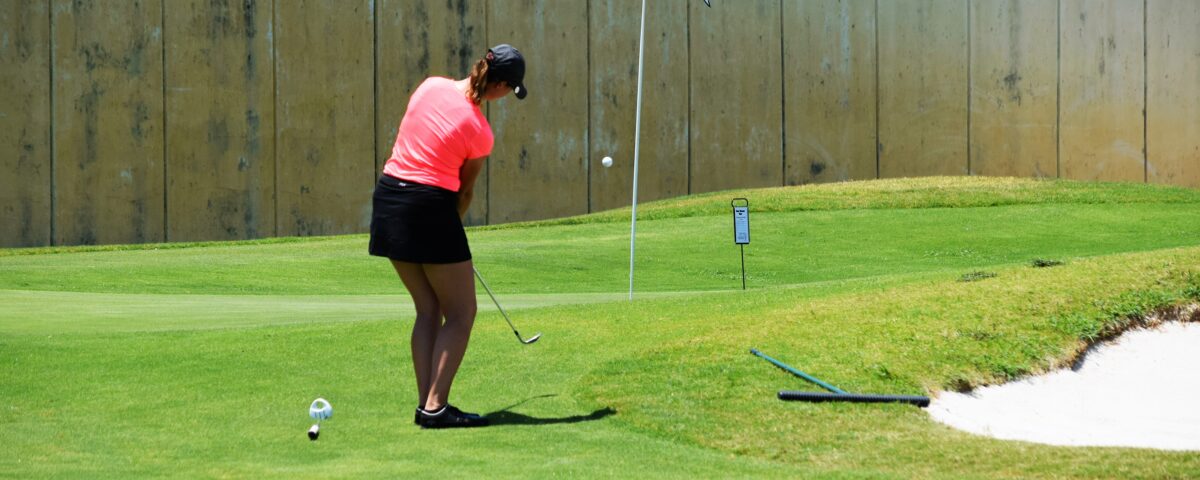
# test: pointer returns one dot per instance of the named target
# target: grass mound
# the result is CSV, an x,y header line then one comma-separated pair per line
x,y
898,193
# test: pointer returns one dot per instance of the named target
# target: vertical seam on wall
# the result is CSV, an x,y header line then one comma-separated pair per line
x,y
275,113
688,28
162,45
374,89
783,104
878,141
1058,97
1145,92
587,142
970,88
50,84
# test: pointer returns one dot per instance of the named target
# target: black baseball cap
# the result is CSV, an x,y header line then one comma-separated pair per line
x,y
506,63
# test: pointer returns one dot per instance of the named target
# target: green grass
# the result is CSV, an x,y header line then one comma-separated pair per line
x,y
200,360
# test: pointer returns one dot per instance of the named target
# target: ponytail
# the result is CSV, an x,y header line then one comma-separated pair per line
x,y
478,83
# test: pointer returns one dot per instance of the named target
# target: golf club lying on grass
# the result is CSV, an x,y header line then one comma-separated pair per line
x,y
510,324
838,394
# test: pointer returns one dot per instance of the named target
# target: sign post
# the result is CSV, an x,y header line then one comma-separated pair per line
x,y
741,229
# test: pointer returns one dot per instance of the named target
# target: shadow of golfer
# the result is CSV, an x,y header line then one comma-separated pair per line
x,y
505,416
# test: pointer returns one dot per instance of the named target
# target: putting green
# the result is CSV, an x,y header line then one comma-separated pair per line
x,y
38,312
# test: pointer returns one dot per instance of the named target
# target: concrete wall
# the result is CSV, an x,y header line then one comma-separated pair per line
x,y
830,101
663,159
27,176
1102,90
107,146
1173,92
220,120
736,119
922,88
178,120
1014,88
325,119
538,168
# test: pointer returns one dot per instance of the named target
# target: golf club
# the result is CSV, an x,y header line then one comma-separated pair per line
x,y
502,312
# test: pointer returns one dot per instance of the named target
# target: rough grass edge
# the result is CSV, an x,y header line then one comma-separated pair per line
x,y
1183,313
894,193
1142,309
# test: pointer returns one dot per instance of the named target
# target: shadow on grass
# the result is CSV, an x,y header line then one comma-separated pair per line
x,y
505,416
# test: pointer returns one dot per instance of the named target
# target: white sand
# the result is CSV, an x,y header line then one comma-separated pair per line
x,y
1141,390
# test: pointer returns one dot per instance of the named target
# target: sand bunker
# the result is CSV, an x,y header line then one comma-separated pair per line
x,y
1140,390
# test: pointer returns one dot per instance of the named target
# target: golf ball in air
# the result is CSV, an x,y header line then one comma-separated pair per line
x,y
607,162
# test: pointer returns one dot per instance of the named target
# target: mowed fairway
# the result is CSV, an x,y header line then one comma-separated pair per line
x,y
200,360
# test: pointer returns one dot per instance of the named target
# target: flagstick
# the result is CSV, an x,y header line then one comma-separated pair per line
x,y
637,140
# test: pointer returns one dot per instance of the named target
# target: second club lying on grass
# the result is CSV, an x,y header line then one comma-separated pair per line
x,y
532,339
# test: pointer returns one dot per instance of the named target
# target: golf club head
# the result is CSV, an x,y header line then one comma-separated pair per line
x,y
532,339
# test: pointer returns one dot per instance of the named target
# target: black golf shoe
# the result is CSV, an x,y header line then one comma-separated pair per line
x,y
449,416
417,416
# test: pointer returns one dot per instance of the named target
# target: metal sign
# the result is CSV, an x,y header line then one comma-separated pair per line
x,y
741,230
741,222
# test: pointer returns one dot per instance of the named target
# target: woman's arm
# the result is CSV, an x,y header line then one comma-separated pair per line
x,y
466,190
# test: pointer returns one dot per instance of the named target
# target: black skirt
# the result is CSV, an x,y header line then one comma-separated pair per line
x,y
416,223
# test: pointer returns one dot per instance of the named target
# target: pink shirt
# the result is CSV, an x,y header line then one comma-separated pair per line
x,y
441,130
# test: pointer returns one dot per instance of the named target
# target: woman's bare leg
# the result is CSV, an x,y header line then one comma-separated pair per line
x,y
454,286
425,329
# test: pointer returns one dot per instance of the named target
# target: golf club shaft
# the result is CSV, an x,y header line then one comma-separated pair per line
x,y
798,373
502,312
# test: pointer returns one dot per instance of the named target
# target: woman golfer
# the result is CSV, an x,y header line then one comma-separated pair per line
x,y
419,202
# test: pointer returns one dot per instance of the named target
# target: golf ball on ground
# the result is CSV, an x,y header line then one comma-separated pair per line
x,y
607,162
